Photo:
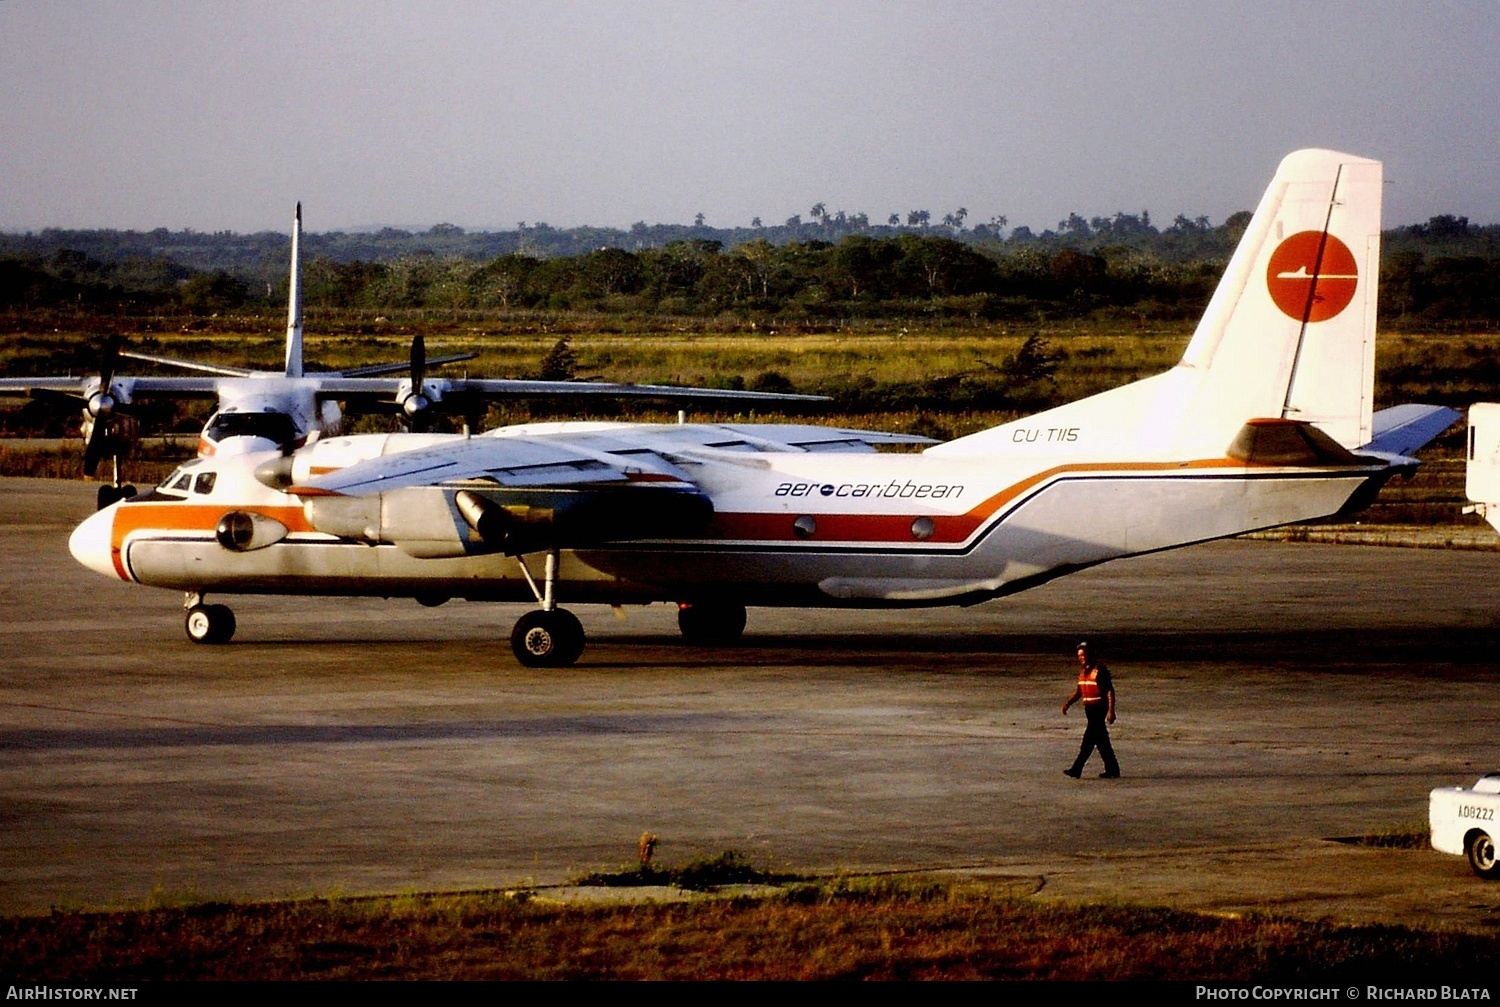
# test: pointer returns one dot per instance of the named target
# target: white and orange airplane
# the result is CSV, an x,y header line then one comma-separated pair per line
x,y
1266,420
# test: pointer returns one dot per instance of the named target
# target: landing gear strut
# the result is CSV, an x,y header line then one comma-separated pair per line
x,y
552,637
207,623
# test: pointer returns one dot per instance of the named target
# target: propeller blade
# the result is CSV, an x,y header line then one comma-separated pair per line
x,y
417,405
418,362
94,447
107,361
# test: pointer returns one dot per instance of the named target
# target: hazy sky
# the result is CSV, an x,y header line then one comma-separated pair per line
x,y
219,115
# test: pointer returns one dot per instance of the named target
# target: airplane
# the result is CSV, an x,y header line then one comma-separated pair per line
x,y
287,409
1266,420
1482,462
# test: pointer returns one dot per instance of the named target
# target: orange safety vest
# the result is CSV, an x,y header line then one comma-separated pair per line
x,y
1088,686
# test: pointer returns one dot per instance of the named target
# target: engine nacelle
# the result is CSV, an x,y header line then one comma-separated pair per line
x,y
432,522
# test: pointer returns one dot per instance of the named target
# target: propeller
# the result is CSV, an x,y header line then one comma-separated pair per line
x,y
416,404
100,407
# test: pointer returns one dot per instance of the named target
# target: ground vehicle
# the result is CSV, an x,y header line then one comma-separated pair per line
x,y
1464,823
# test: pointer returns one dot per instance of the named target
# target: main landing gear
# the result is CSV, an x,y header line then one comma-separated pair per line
x,y
552,637
207,623
115,491
713,622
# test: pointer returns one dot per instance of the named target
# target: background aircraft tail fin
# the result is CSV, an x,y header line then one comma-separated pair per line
x,y
1290,330
294,303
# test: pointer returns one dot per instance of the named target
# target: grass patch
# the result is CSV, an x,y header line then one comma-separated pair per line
x,y
842,929
1411,835
728,868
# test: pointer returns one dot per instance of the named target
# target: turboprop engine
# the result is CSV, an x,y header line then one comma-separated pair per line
x,y
434,522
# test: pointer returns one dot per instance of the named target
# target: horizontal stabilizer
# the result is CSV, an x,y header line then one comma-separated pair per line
x,y
190,365
1404,430
401,366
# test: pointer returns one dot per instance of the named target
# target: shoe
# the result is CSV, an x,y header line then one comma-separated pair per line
x,y
1109,776
1075,773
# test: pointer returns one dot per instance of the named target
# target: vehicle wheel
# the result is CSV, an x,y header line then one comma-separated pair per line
x,y
711,622
547,639
210,623
107,495
1481,851
128,492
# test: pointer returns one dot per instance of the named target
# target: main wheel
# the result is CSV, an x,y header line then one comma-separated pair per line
x,y
547,639
711,622
1481,851
209,623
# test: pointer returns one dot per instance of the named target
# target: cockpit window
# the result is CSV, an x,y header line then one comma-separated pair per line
x,y
205,482
181,479
277,427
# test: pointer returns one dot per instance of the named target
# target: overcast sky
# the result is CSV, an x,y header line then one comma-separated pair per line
x,y
215,115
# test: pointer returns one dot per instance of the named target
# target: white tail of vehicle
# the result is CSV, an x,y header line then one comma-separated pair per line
x,y
1482,484
1288,334
294,303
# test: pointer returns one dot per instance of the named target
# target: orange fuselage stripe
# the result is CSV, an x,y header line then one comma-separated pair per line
x,y
947,528
162,516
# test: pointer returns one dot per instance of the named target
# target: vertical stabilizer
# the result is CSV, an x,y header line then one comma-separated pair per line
x,y
1288,334
1290,331
294,303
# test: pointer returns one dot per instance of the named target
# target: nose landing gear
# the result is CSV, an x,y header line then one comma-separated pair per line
x,y
207,623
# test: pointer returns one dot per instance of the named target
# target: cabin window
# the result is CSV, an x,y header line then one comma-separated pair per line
x,y
205,483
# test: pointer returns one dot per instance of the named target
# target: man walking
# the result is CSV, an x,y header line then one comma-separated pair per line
x,y
1096,691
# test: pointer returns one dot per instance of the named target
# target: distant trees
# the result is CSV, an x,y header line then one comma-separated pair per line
x,y
1443,272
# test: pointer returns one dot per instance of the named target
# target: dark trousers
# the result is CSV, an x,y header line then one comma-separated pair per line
x,y
1096,735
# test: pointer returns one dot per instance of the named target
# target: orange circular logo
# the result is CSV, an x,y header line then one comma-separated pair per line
x,y
1312,276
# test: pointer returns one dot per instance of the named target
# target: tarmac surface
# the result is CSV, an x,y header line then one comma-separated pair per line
x,y
1273,697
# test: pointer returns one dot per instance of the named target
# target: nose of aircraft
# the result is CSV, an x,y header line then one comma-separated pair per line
x,y
90,541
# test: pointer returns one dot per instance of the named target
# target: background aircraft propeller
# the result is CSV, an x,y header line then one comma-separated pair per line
x,y
416,405
100,407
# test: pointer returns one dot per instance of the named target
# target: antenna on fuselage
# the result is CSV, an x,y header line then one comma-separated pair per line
x,y
294,303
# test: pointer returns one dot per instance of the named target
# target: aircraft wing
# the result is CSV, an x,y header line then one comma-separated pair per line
x,y
564,454
130,388
23,387
561,485
451,389
1404,430
505,461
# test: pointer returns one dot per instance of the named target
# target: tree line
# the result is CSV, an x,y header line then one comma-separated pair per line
x,y
1444,272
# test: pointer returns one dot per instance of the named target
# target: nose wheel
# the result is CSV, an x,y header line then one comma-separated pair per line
x,y
208,623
